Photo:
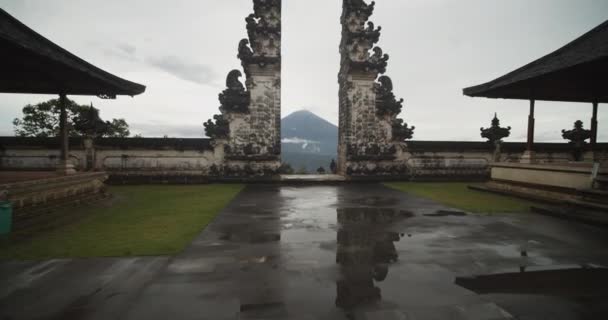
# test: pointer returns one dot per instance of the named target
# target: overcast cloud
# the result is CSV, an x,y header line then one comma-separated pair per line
x,y
182,50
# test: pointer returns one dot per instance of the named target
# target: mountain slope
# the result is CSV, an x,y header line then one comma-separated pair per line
x,y
308,140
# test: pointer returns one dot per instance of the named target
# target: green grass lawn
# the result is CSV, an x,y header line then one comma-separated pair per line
x,y
458,195
138,221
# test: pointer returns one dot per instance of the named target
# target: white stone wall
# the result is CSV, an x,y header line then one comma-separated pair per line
x,y
36,159
420,163
115,160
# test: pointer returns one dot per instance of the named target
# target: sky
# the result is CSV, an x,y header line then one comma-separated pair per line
x,y
182,51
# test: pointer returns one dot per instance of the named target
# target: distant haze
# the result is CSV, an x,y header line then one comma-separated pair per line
x,y
183,50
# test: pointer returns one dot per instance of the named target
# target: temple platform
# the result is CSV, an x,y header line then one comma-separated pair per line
x,y
31,190
575,191
566,177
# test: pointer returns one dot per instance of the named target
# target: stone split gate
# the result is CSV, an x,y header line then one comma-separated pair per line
x,y
371,137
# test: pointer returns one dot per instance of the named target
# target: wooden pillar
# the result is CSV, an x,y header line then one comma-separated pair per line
x,y
531,121
594,125
63,128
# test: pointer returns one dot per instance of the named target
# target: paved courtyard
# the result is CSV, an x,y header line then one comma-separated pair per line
x,y
334,252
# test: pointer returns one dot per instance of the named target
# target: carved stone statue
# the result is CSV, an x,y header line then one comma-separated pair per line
x,y
401,131
577,137
495,133
378,61
218,129
245,52
234,98
386,103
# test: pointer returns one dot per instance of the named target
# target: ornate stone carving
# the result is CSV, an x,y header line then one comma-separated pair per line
x,y
218,128
371,136
577,137
374,169
249,124
234,99
245,53
401,131
495,133
386,103
356,13
264,31
378,61
371,151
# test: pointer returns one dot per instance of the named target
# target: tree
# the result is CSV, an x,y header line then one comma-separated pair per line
x,y
119,128
42,120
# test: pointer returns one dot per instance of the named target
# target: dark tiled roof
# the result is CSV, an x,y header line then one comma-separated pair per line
x,y
575,72
30,63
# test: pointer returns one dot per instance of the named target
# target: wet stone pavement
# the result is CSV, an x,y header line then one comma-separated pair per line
x,y
334,252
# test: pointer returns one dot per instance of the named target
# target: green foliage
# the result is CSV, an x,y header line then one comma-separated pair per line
x,y
302,170
42,120
138,221
458,195
118,128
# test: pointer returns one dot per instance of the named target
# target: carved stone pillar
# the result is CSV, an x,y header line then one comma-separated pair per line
x,y
371,137
250,119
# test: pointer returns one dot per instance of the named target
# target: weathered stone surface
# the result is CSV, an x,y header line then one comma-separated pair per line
x,y
371,139
250,119
43,192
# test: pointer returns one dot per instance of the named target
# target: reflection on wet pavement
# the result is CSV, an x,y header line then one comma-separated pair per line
x,y
358,251
365,251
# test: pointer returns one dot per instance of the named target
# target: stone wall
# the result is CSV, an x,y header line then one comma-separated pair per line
x,y
146,160
49,191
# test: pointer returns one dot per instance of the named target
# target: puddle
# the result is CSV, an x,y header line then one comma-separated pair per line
x,y
365,251
376,201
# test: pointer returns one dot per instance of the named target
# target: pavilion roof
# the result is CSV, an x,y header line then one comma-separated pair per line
x,y
576,72
30,63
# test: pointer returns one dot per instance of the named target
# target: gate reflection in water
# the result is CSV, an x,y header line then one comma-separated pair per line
x,y
366,249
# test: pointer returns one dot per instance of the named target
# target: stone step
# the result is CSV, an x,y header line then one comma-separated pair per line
x,y
602,179
575,214
601,183
594,195
515,191
44,219
589,205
